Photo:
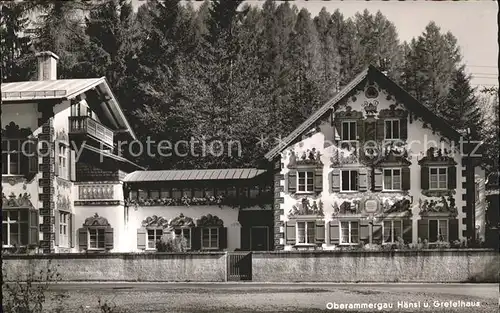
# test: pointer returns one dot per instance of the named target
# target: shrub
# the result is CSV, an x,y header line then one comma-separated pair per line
x,y
27,296
169,244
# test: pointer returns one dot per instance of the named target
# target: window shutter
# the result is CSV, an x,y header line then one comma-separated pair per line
x,y
82,239
290,233
423,229
34,233
364,231
33,160
108,238
57,225
403,128
56,158
380,130
452,177
318,180
407,231
377,234
377,179
320,231
453,229
292,181
363,179
405,178
335,180
141,238
424,177
72,165
196,239
334,233
223,238
336,127
360,130
72,230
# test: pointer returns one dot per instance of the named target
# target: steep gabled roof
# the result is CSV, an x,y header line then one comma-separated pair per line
x,y
372,73
65,89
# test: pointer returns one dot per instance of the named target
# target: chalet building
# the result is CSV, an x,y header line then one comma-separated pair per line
x,y
373,165
66,187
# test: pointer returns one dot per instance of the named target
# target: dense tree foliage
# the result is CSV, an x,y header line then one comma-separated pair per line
x,y
230,72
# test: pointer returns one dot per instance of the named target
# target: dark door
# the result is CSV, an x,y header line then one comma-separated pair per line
x,y
259,238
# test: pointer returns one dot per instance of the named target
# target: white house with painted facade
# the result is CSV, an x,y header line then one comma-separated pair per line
x,y
373,165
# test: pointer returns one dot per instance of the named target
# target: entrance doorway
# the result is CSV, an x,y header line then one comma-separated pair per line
x,y
259,238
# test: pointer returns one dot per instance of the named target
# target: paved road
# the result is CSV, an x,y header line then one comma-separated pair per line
x,y
294,297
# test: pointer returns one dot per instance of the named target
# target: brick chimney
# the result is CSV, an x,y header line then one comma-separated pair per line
x,y
47,65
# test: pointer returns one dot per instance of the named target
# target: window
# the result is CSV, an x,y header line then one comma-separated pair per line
x,y
438,230
349,233
96,238
305,232
392,230
11,156
154,234
392,179
154,194
15,227
186,233
62,158
438,177
392,129
210,238
305,181
349,180
63,229
348,131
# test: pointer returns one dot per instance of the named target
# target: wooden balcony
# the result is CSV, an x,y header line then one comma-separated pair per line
x,y
85,125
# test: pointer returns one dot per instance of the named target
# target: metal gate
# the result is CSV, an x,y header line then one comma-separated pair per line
x,y
239,266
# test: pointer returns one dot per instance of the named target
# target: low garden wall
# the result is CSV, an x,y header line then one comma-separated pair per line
x,y
463,265
203,267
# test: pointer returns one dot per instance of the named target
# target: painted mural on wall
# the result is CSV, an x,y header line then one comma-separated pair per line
x,y
17,201
96,220
307,207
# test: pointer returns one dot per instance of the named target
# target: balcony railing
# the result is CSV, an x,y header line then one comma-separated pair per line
x,y
87,125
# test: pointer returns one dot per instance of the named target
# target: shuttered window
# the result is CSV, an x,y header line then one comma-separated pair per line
x,y
392,129
184,233
392,230
306,232
438,178
305,181
438,230
154,234
96,238
210,238
392,179
349,180
15,227
349,232
64,221
348,131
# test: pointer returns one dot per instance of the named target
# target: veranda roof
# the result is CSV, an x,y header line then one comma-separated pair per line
x,y
190,175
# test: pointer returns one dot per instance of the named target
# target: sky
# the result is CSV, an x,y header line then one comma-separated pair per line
x,y
473,23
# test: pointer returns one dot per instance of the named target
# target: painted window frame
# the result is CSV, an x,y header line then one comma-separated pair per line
x,y
97,231
392,169
350,182
445,175
446,236
6,224
392,120
183,230
64,222
156,236
210,234
350,235
306,224
393,236
306,181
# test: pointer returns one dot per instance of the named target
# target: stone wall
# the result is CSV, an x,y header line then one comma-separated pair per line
x,y
392,266
203,267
